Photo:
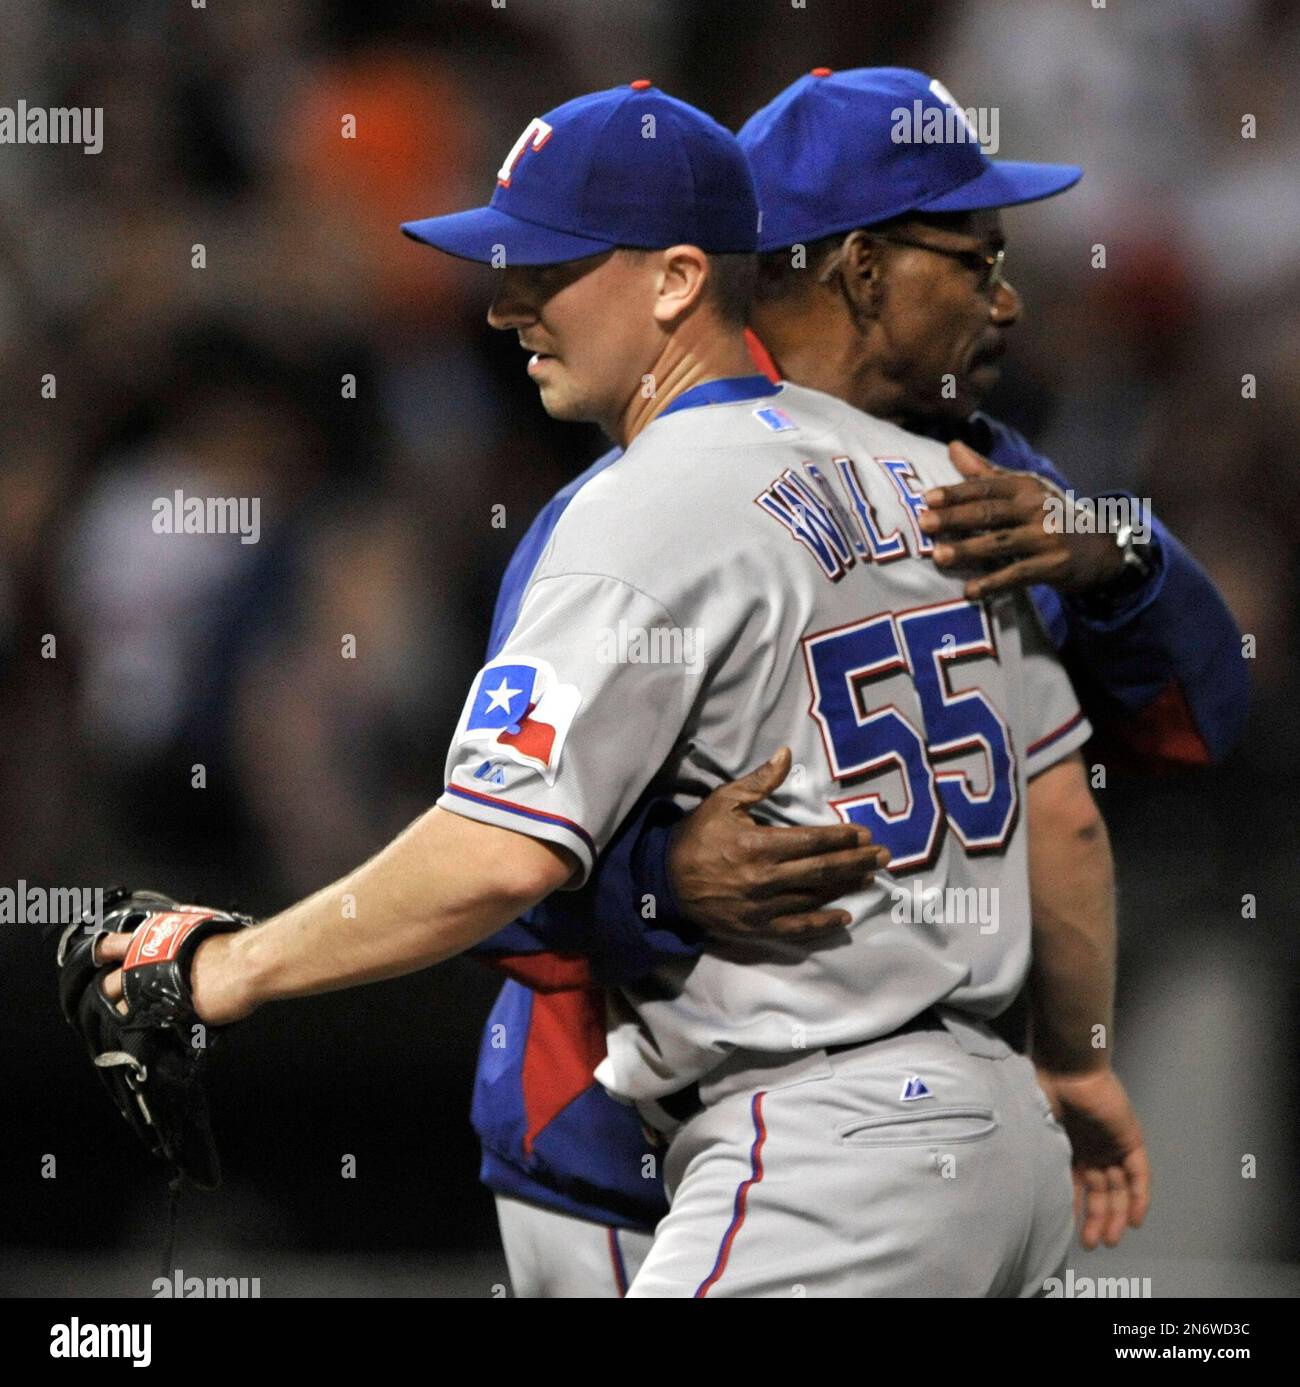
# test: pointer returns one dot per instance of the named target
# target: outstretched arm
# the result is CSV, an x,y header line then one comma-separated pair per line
x,y
439,887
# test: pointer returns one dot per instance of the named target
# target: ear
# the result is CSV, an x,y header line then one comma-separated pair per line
x,y
861,274
679,283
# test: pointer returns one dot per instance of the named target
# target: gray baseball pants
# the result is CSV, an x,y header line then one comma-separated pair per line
x,y
924,1164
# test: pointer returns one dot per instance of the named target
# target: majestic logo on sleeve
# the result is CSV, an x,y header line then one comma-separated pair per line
x,y
523,711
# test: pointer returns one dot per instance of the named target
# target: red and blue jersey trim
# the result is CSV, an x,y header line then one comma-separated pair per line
x,y
727,391
1055,736
537,815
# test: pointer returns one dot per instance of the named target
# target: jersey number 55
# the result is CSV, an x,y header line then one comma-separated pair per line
x,y
925,644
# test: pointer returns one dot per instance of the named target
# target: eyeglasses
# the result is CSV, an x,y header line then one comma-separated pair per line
x,y
985,265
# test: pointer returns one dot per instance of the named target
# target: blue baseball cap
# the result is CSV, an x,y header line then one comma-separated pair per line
x,y
627,167
839,150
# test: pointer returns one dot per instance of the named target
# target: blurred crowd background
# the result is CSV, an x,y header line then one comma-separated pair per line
x,y
222,126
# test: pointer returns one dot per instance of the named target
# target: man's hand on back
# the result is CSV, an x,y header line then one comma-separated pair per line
x,y
737,877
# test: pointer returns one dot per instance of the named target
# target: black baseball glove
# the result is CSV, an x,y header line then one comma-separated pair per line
x,y
151,1057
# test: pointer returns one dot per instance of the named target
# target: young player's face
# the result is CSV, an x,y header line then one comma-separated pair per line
x,y
936,321
588,327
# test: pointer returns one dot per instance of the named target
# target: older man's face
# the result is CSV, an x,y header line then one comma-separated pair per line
x,y
938,325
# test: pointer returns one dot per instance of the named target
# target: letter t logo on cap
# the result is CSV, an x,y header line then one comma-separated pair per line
x,y
538,132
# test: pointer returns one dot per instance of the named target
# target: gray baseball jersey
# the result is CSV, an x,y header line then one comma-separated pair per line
x,y
751,574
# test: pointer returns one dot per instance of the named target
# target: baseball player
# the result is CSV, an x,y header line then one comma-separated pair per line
x,y
781,529
1155,647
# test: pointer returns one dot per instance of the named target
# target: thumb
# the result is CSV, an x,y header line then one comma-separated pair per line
x,y
760,783
968,462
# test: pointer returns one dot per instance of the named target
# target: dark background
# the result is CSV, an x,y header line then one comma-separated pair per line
x,y
222,126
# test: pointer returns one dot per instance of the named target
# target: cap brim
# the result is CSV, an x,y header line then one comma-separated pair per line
x,y
1004,184
491,236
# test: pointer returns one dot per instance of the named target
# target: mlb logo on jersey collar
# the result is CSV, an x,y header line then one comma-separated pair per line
x,y
775,419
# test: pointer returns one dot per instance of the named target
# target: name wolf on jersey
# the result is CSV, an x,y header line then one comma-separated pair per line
x,y
831,516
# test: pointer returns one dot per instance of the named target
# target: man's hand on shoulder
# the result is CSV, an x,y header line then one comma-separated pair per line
x,y
996,519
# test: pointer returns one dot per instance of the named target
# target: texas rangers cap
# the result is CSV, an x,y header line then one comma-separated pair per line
x,y
627,167
839,150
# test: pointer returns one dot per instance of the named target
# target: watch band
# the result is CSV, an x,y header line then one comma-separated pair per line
x,y
1137,568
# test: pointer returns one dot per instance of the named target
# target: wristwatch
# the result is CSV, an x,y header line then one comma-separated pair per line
x,y
1102,600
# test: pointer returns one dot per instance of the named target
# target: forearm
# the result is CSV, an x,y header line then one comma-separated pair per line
x,y
1072,887
1165,657
1179,635
440,886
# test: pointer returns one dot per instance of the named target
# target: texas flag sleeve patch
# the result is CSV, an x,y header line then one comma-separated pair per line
x,y
522,711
